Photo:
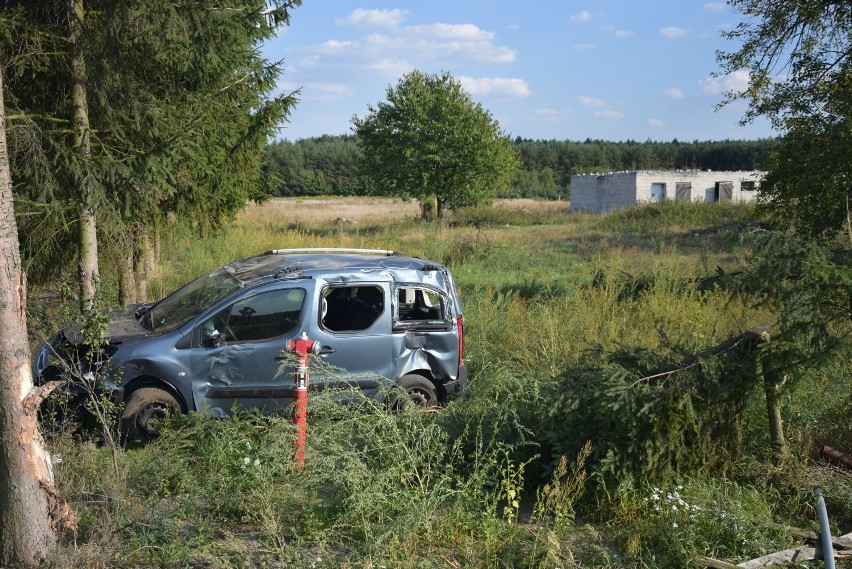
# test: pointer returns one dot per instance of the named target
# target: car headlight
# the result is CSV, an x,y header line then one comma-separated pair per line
x,y
43,357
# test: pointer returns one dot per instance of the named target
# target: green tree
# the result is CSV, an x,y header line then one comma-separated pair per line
x,y
431,141
29,504
178,110
797,55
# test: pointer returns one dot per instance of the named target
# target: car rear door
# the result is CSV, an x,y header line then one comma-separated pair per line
x,y
353,325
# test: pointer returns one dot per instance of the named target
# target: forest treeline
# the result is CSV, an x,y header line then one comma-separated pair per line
x,y
328,165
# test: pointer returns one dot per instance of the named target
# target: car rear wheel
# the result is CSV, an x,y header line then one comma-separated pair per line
x,y
419,393
145,410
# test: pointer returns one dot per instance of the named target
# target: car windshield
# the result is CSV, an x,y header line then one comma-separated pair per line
x,y
190,300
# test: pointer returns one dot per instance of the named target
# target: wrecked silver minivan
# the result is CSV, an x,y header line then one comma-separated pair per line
x,y
215,344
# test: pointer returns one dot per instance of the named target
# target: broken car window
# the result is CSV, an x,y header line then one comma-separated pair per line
x,y
420,304
351,308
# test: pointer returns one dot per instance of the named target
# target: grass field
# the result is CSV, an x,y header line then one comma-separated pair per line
x,y
569,451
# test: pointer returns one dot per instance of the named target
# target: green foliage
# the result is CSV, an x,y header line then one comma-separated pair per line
x,y
665,527
431,141
798,58
505,215
668,214
648,416
811,171
327,165
180,109
317,167
809,286
557,498
559,355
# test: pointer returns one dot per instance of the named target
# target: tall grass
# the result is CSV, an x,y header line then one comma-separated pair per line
x,y
553,302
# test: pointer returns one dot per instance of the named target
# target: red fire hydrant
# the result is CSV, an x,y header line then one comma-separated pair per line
x,y
302,347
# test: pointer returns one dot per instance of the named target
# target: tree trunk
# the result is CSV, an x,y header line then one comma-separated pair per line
x,y
145,263
88,239
439,207
127,276
773,381
427,209
30,511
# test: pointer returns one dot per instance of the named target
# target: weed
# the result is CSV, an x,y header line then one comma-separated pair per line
x,y
567,318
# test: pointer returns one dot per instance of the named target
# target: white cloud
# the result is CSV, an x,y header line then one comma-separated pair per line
x,y
587,101
511,87
656,123
448,41
609,114
466,32
325,92
388,53
623,33
675,93
603,108
309,61
715,6
736,81
672,32
334,46
379,18
549,116
584,46
580,17
391,66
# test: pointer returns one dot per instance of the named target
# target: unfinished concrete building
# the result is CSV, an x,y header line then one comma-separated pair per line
x,y
617,190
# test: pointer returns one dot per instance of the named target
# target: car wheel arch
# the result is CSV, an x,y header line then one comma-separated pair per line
x,y
151,381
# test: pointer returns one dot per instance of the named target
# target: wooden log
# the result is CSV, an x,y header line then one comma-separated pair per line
x,y
714,563
793,556
842,542
796,555
836,457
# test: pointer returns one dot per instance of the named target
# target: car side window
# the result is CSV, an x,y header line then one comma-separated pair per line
x,y
258,317
351,308
417,306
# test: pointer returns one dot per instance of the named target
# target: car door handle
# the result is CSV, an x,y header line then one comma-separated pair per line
x,y
326,350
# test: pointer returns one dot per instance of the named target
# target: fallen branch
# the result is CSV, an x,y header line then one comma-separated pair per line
x,y
836,457
842,542
715,563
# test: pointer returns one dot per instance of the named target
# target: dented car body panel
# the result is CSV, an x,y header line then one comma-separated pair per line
x,y
218,342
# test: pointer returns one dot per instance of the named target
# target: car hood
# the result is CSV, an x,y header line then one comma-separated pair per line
x,y
121,325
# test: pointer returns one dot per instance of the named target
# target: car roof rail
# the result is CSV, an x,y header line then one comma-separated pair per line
x,y
343,250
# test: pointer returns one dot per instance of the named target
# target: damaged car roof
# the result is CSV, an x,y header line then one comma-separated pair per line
x,y
304,262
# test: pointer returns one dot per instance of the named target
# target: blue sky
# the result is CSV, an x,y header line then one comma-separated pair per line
x,y
545,69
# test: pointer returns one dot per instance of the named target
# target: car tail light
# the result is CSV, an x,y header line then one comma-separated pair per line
x,y
460,323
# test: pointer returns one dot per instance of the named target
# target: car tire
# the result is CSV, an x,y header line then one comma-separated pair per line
x,y
419,393
145,409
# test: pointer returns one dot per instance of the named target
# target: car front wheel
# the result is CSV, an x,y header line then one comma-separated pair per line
x,y
145,410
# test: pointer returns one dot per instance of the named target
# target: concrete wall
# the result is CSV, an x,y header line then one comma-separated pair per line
x,y
618,190
605,192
